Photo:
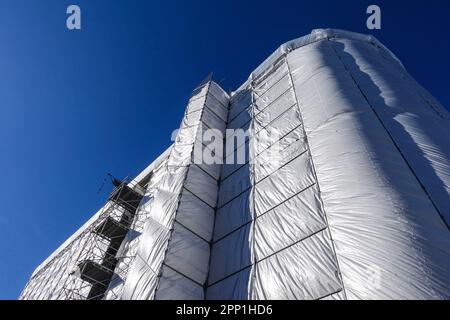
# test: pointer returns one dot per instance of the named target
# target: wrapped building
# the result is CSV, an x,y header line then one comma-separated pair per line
x,y
342,192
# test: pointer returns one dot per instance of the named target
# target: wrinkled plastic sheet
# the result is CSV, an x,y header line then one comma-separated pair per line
x,y
175,242
390,241
415,125
269,207
293,220
235,287
196,215
174,286
231,254
314,275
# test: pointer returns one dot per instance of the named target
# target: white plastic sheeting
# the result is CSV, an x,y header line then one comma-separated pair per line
x,y
371,176
419,129
344,192
173,253
356,205
305,270
271,237
129,246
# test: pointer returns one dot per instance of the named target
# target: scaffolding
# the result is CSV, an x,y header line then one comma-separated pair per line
x,y
98,260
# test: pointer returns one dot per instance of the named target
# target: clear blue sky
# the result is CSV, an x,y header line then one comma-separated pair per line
x,y
76,105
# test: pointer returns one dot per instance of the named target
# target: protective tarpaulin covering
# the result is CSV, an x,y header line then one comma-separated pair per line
x,y
174,248
377,185
341,191
269,211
